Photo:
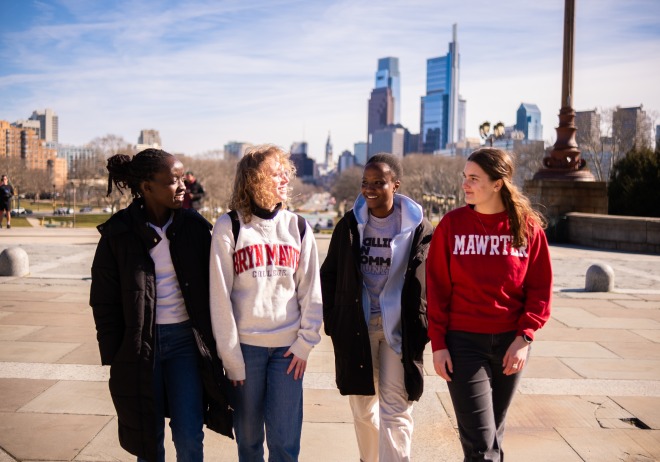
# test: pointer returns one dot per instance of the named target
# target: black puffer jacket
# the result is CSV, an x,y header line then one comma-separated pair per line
x,y
123,298
343,314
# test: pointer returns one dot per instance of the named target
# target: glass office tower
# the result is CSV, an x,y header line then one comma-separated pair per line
x,y
442,114
388,76
528,121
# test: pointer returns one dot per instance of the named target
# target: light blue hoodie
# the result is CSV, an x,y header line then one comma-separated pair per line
x,y
390,298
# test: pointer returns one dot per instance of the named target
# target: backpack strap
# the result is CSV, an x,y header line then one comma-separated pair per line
x,y
302,226
236,225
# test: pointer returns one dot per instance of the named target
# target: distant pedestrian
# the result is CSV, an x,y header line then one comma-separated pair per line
x,y
150,298
194,192
6,193
374,309
266,305
489,289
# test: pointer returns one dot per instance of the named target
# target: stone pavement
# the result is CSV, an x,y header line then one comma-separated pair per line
x,y
591,391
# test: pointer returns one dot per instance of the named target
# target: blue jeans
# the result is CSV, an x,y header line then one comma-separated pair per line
x,y
272,397
480,392
177,378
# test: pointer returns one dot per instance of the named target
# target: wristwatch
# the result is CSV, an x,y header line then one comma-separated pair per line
x,y
527,338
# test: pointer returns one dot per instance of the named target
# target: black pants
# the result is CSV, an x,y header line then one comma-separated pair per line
x,y
480,391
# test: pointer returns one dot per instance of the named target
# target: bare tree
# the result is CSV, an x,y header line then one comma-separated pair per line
x,y
301,192
347,187
93,175
423,174
528,157
216,176
618,130
25,181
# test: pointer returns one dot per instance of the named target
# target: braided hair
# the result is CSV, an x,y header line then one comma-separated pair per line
x,y
129,173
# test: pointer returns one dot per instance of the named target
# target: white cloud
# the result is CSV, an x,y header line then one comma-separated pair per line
x,y
207,72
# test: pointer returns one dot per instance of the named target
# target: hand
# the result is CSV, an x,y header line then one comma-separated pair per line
x,y
297,365
237,382
442,364
516,356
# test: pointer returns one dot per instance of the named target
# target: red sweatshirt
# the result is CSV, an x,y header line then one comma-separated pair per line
x,y
476,282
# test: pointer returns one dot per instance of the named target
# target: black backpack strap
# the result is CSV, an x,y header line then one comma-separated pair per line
x,y
235,224
302,226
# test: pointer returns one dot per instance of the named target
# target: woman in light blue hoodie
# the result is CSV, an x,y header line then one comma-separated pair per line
x,y
374,309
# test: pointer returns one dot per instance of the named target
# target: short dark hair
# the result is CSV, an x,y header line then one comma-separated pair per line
x,y
391,160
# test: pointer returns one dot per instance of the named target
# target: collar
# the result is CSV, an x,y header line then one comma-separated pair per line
x,y
266,214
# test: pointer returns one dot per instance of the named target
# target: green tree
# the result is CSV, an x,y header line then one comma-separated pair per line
x,y
634,187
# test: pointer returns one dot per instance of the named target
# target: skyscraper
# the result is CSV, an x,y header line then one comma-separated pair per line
x,y
588,128
49,124
528,121
329,163
150,138
385,100
442,109
630,128
388,76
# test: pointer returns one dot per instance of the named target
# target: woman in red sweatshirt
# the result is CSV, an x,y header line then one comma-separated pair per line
x,y
489,285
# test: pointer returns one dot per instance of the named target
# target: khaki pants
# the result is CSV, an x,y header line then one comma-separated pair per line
x,y
383,422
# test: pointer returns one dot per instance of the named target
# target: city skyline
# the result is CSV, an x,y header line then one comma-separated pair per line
x,y
207,73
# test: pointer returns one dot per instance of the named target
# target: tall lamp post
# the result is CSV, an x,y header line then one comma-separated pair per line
x,y
564,162
486,135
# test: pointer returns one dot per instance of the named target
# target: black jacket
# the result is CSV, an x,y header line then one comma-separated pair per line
x,y
343,315
123,298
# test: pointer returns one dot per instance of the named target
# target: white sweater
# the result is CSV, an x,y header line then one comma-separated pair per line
x,y
265,290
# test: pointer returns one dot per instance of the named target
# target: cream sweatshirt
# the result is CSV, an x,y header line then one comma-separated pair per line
x,y
265,289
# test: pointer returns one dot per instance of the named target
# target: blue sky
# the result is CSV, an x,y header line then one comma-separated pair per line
x,y
205,72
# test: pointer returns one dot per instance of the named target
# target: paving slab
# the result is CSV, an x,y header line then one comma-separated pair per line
x,y
105,447
621,312
73,397
632,350
326,406
70,334
538,445
434,437
577,317
652,335
645,408
613,445
637,369
86,353
60,436
50,319
12,332
570,350
34,352
16,393
548,367
44,306
559,332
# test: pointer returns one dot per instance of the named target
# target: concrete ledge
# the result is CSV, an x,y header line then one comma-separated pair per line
x,y
614,232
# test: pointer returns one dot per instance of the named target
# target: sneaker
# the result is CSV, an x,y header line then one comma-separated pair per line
x,y
8,226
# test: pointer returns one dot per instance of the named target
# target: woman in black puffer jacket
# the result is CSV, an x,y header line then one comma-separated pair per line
x,y
150,297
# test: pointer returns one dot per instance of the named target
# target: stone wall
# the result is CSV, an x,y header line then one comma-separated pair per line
x,y
555,198
612,232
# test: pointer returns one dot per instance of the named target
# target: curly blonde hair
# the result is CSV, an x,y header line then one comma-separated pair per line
x,y
498,165
250,186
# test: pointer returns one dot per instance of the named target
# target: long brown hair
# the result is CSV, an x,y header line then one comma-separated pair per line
x,y
498,165
250,187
